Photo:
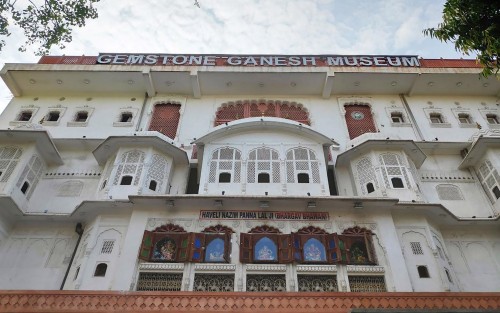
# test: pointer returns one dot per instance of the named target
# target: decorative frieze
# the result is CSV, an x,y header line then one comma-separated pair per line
x,y
365,269
161,267
266,267
65,174
448,176
215,267
316,268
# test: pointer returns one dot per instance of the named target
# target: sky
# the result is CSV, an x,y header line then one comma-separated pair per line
x,y
383,27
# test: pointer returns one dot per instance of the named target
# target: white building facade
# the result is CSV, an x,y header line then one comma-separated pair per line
x,y
281,174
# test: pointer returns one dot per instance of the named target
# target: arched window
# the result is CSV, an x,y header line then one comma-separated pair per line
x,y
263,166
9,158
359,119
231,112
30,176
394,171
366,176
265,250
358,245
314,245
225,161
302,166
100,270
265,244
490,180
129,169
165,119
153,185
423,272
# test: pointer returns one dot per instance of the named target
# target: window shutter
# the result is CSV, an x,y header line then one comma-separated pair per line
x,y
369,249
146,246
285,248
344,248
297,248
227,247
333,248
183,247
197,241
246,248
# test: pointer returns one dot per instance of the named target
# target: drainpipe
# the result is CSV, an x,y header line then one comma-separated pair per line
x,y
79,231
142,112
420,137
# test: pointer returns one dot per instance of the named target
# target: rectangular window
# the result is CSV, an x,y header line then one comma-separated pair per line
x,y
213,282
492,118
464,118
317,283
436,118
25,116
159,282
266,283
397,117
367,284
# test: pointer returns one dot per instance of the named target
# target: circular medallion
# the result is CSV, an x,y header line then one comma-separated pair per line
x,y
357,115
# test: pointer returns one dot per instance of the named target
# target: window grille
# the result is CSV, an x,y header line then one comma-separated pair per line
x,y
266,283
228,113
263,161
166,119
9,157
159,282
449,192
213,283
131,164
367,284
397,117
302,161
316,283
436,118
490,180
464,118
157,173
393,167
107,246
416,248
225,160
30,175
366,175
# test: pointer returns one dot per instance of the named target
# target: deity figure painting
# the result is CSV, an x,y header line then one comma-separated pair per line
x,y
215,251
358,253
165,250
314,250
265,250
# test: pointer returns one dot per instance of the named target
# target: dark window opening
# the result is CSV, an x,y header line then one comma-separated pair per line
x,y
370,188
303,178
126,117
492,118
193,185
100,270
81,116
126,180
263,178
152,185
464,118
397,182
224,178
397,117
25,116
24,187
496,192
436,118
423,272
53,116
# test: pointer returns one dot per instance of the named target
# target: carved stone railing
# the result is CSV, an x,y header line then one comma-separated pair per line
x,y
279,302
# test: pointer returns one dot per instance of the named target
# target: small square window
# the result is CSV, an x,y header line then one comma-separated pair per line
x,y
25,116
81,116
492,118
397,117
464,118
436,118
53,116
126,117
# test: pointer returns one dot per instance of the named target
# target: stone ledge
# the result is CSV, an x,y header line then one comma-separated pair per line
x,y
161,266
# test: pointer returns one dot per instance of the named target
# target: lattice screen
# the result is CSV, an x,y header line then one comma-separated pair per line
x,y
359,120
449,192
263,160
238,111
31,174
392,166
489,178
165,119
266,283
317,283
131,164
366,174
214,282
367,284
157,171
301,160
9,157
159,282
225,160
